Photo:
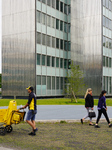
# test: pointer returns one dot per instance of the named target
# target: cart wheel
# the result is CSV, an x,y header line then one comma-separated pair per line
x,y
2,131
9,129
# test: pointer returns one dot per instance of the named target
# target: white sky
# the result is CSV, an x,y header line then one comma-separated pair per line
x,y
0,35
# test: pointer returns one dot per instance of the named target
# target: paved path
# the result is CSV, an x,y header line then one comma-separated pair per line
x,y
63,112
2,148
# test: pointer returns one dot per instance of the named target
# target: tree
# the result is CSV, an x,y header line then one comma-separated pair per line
x,y
74,83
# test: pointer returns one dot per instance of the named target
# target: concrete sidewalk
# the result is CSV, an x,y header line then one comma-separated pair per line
x,y
2,148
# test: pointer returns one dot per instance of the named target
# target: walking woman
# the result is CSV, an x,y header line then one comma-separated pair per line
x,y
102,108
89,104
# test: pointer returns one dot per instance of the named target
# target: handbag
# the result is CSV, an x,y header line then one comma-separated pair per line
x,y
92,114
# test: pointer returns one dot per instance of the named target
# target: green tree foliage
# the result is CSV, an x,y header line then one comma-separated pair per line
x,y
75,82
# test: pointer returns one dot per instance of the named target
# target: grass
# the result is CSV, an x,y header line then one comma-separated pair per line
x,y
59,136
58,101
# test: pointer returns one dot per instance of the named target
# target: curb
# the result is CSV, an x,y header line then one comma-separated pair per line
x,y
67,120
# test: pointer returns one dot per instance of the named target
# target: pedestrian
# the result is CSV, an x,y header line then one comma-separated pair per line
x,y
30,119
89,104
102,108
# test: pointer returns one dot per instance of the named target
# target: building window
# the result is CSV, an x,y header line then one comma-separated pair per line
x,y
43,80
38,38
110,85
110,62
53,42
103,82
110,5
43,60
104,61
65,27
53,22
57,62
69,46
65,45
43,18
69,9
61,83
57,83
61,44
69,27
61,25
61,6
38,59
104,21
69,64
57,4
48,40
106,44
104,41
43,39
49,2
53,83
110,44
107,22
53,61
57,43
48,60
61,63
107,3
53,3
44,1
38,80
65,63
48,83
103,2
110,24
65,9
38,16
57,24
48,20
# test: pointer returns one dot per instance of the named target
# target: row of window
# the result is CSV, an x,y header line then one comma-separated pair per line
x,y
107,62
53,22
108,4
107,84
53,61
107,23
107,42
51,82
64,8
53,42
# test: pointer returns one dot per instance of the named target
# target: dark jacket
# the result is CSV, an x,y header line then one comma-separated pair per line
x,y
89,101
102,102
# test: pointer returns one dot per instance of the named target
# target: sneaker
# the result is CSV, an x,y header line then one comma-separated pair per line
x,y
35,130
96,126
32,133
110,125
81,121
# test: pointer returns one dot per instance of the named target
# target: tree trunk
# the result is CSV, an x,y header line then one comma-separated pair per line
x,y
74,96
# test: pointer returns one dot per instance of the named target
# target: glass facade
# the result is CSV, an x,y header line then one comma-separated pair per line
x,y
107,46
53,45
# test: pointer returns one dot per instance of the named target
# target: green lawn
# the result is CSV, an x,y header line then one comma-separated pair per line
x,y
59,136
58,101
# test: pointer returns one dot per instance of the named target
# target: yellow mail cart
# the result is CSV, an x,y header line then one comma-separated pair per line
x,y
10,116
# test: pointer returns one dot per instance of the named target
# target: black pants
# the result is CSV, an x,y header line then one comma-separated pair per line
x,y
104,113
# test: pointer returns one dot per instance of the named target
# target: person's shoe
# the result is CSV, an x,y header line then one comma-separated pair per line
x,y
31,133
35,130
91,124
110,125
81,121
96,126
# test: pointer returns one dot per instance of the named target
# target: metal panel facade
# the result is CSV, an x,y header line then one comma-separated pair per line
x,y
18,46
86,40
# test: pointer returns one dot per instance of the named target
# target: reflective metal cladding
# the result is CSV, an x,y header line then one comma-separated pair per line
x,y
86,40
18,46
